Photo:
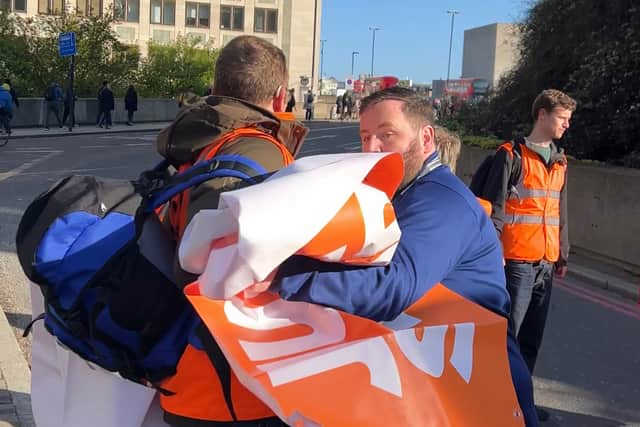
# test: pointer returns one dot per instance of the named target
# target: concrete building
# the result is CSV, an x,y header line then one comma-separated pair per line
x,y
490,51
293,25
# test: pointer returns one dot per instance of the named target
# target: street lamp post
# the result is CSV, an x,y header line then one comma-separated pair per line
x,y
322,42
353,55
373,46
453,14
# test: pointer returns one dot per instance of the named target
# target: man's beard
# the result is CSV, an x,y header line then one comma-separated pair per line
x,y
412,162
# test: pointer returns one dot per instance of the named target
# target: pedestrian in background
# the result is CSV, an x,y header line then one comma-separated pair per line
x,y
106,103
308,105
291,103
131,103
12,91
53,97
69,99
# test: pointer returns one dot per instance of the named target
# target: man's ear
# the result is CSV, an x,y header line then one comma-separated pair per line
x,y
279,99
428,138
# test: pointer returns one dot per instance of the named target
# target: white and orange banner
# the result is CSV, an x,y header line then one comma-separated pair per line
x,y
332,207
443,362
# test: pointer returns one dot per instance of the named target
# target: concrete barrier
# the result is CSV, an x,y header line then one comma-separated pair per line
x,y
604,207
32,111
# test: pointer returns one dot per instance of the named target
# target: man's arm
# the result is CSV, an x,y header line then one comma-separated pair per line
x,y
496,188
436,226
564,226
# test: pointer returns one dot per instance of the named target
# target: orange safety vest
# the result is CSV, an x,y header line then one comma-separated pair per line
x,y
531,231
200,394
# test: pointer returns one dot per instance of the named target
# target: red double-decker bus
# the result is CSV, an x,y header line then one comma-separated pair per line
x,y
466,89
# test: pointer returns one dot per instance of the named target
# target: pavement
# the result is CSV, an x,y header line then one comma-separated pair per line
x,y
20,133
596,277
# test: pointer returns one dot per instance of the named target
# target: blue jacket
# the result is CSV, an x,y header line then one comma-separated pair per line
x,y
5,100
446,238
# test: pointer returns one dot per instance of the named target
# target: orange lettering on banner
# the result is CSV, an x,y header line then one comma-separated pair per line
x,y
347,230
443,362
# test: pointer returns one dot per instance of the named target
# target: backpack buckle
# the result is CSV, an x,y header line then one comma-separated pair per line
x,y
213,165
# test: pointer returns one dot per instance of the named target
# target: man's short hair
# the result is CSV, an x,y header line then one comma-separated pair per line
x,y
448,145
550,99
251,69
417,109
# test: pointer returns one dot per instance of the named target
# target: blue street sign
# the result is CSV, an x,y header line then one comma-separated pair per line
x,y
67,44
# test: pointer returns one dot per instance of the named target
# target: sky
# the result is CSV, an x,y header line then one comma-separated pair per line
x,y
414,38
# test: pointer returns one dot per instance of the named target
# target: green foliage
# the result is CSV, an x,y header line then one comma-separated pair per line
x,y
32,60
589,49
172,68
486,142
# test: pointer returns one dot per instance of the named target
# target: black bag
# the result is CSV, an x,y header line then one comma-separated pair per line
x,y
481,175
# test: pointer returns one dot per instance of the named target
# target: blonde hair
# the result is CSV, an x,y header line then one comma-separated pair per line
x,y
448,145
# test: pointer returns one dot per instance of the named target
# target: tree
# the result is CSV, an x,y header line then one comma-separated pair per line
x,y
171,68
591,50
30,53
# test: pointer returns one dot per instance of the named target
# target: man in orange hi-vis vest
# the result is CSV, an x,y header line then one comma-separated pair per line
x,y
446,237
526,186
242,118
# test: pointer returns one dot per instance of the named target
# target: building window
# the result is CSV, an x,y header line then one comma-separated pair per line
x,y
197,15
89,7
13,5
265,20
163,12
127,10
232,18
50,7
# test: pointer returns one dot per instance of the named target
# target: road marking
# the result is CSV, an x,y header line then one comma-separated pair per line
x,y
99,146
37,148
604,301
333,128
23,167
146,144
320,137
10,211
72,171
33,151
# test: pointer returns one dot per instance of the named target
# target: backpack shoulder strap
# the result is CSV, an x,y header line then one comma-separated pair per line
x,y
180,200
217,167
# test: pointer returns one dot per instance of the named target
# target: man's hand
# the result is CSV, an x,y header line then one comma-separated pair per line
x,y
560,271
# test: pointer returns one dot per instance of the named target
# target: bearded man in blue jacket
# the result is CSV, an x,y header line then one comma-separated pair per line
x,y
446,236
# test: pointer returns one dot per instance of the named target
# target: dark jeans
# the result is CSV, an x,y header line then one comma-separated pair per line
x,y
52,107
67,114
309,114
105,117
529,285
130,116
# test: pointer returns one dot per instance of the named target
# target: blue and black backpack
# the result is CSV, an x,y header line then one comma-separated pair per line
x,y
105,265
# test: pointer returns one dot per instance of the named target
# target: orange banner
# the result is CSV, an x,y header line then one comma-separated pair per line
x,y
441,363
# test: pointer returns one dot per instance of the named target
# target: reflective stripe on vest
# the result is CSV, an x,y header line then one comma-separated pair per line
x,y
198,391
531,230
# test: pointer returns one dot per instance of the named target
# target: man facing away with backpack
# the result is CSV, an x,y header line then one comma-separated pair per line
x,y
526,185
240,118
